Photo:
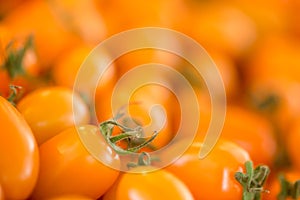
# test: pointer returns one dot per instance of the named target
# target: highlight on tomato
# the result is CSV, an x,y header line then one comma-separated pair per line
x,y
159,184
214,176
19,156
49,110
67,167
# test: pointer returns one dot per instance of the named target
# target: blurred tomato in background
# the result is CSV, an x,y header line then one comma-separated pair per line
x,y
254,45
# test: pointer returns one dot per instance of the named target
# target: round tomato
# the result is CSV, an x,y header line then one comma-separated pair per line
x,y
69,64
66,166
273,79
212,177
141,108
68,22
18,61
50,110
252,132
215,24
142,184
19,158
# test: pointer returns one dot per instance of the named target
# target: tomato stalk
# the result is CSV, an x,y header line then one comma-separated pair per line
x,y
288,189
253,180
144,159
15,94
106,128
13,62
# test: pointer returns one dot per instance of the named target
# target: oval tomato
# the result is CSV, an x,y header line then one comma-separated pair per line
x,y
212,177
66,167
50,110
19,158
158,185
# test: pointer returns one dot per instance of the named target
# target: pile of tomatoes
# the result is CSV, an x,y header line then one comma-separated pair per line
x,y
254,44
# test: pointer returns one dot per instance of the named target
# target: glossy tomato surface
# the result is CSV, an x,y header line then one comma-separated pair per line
x,y
19,157
158,185
213,176
68,168
50,110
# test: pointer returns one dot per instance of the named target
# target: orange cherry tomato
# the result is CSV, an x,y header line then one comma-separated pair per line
x,y
19,158
72,21
30,18
49,110
133,59
159,184
19,63
211,177
292,140
273,79
248,129
70,197
67,66
215,24
151,119
66,167
132,14
252,132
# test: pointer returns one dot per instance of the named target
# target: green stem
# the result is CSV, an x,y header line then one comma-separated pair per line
x,y
253,180
106,129
288,189
144,159
14,58
16,92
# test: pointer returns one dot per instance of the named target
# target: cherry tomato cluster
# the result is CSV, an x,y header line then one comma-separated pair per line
x,y
254,44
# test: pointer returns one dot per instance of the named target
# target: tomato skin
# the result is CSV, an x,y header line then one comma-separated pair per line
x,y
212,177
68,65
49,110
18,148
70,197
66,167
1,193
292,144
158,184
252,132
